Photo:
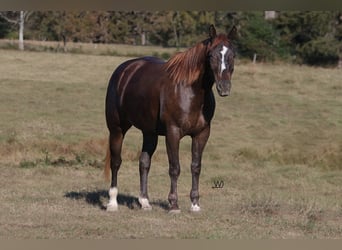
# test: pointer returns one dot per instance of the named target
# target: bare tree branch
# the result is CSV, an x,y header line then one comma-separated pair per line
x,y
27,14
8,19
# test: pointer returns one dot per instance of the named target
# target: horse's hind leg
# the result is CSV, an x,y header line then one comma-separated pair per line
x,y
115,145
149,146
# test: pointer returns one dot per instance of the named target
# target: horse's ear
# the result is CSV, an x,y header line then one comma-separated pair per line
x,y
232,35
212,31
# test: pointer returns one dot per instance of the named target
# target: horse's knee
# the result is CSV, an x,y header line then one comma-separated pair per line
x,y
116,163
174,171
144,161
196,168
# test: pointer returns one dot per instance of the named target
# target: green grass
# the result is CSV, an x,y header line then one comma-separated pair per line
x,y
276,143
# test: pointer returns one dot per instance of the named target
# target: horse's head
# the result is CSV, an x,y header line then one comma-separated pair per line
x,y
221,59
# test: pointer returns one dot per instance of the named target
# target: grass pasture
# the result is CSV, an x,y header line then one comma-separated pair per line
x,y
90,48
276,145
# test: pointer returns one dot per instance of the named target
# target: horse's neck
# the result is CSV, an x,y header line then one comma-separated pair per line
x,y
203,89
205,94
207,79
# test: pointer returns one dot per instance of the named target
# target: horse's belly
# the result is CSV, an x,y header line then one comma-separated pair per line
x,y
141,111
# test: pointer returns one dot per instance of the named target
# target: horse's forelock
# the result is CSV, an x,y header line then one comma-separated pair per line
x,y
221,38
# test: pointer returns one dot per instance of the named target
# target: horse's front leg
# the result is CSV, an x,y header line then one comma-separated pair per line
x,y
198,143
149,146
172,147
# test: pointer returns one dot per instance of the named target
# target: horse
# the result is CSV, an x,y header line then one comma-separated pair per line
x,y
172,99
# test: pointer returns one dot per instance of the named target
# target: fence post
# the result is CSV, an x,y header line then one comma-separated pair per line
x,y
254,58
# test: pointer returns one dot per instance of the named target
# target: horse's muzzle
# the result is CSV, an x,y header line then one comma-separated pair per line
x,y
223,88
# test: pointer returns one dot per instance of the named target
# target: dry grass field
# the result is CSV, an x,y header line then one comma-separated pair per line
x,y
276,144
91,48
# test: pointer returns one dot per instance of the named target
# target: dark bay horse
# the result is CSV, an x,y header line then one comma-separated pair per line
x,y
173,99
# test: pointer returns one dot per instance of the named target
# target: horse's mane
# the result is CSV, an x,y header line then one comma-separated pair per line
x,y
187,66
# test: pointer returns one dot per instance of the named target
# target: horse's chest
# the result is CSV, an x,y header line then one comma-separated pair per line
x,y
185,109
188,122
193,123
190,119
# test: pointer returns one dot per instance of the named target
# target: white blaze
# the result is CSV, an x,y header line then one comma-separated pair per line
x,y
223,53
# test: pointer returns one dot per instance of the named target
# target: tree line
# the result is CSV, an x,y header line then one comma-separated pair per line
x,y
309,37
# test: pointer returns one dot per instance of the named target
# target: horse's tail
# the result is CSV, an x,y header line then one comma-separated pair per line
x,y
107,165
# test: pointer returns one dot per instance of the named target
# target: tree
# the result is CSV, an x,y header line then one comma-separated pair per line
x,y
310,35
17,18
4,27
98,23
164,31
257,36
63,26
321,51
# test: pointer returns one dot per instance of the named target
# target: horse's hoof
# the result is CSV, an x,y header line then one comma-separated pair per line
x,y
145,204
174,211
146,207
195,208
112,208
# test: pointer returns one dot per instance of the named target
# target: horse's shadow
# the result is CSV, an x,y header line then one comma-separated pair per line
x,y
97,197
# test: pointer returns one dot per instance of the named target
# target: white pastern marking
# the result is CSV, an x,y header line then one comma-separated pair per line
x,y
223,53
112,204
145,203
195,208
113,192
